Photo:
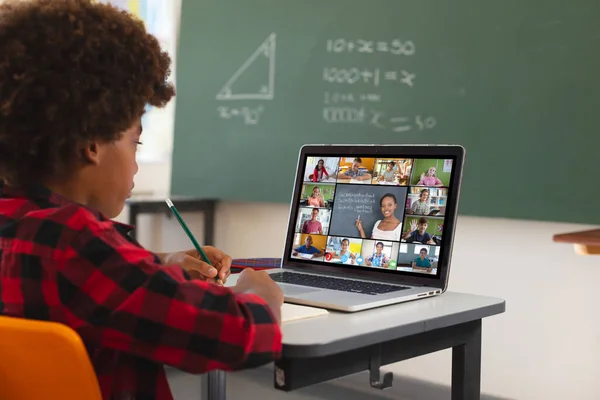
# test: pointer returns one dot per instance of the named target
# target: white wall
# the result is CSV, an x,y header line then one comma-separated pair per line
x,y
547,344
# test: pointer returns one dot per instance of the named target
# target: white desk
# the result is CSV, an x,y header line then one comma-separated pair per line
x,y
388,183
339,344
304,256
308,181
409,269
355,181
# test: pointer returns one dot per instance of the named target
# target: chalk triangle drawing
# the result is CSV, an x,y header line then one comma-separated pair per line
x,y
264,53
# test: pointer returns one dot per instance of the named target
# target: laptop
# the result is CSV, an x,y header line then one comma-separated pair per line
x,y
362,232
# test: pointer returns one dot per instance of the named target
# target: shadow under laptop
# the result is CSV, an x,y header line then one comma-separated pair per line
x,y
258,384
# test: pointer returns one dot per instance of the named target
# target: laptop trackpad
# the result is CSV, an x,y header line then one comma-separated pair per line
x,y
289,290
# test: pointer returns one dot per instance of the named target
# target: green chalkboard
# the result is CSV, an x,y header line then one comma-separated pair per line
x,y
515,81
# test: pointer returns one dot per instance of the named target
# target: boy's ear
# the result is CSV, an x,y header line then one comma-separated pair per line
x,y
91,153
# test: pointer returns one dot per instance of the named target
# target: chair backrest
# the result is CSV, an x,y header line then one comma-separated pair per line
x,y
44,360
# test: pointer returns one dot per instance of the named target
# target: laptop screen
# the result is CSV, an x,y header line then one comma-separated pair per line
x,y
379,213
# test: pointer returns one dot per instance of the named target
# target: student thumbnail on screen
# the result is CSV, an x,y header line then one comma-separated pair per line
x,y
342,250
378,254
314,221
317,195
424,230
418,258
392,171
355,170
435,173
309,247
321,169
426,201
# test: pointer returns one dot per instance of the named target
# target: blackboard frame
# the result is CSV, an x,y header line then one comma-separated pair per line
x,y
442,151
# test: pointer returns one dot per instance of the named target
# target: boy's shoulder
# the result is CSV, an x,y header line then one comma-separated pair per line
x,y
73,215
56,226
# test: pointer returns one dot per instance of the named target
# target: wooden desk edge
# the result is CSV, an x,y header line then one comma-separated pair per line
x,y
585,242
586,250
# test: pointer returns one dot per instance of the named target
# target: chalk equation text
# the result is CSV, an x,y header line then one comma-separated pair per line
x,y
368,46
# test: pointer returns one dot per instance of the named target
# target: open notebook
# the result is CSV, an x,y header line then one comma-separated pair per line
x,y
289,312
293,312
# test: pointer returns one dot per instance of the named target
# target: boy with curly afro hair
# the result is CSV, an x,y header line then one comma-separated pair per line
x,y
75,78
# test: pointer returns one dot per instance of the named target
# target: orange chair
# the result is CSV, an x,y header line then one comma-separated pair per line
x,y
44,360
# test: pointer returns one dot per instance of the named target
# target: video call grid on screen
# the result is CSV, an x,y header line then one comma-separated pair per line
x,y
372,212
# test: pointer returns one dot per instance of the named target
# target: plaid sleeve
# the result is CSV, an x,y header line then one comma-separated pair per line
x,y
116,296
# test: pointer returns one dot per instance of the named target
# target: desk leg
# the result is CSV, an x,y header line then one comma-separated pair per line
x,y
133,215
466,366
209,224
214,386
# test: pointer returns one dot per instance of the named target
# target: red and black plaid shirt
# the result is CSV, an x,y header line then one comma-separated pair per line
x,y
60,261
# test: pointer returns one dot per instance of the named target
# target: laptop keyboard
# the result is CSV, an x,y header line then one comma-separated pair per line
x,y
343,285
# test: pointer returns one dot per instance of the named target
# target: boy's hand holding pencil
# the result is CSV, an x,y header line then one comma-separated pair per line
x,y
192,262
201,262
